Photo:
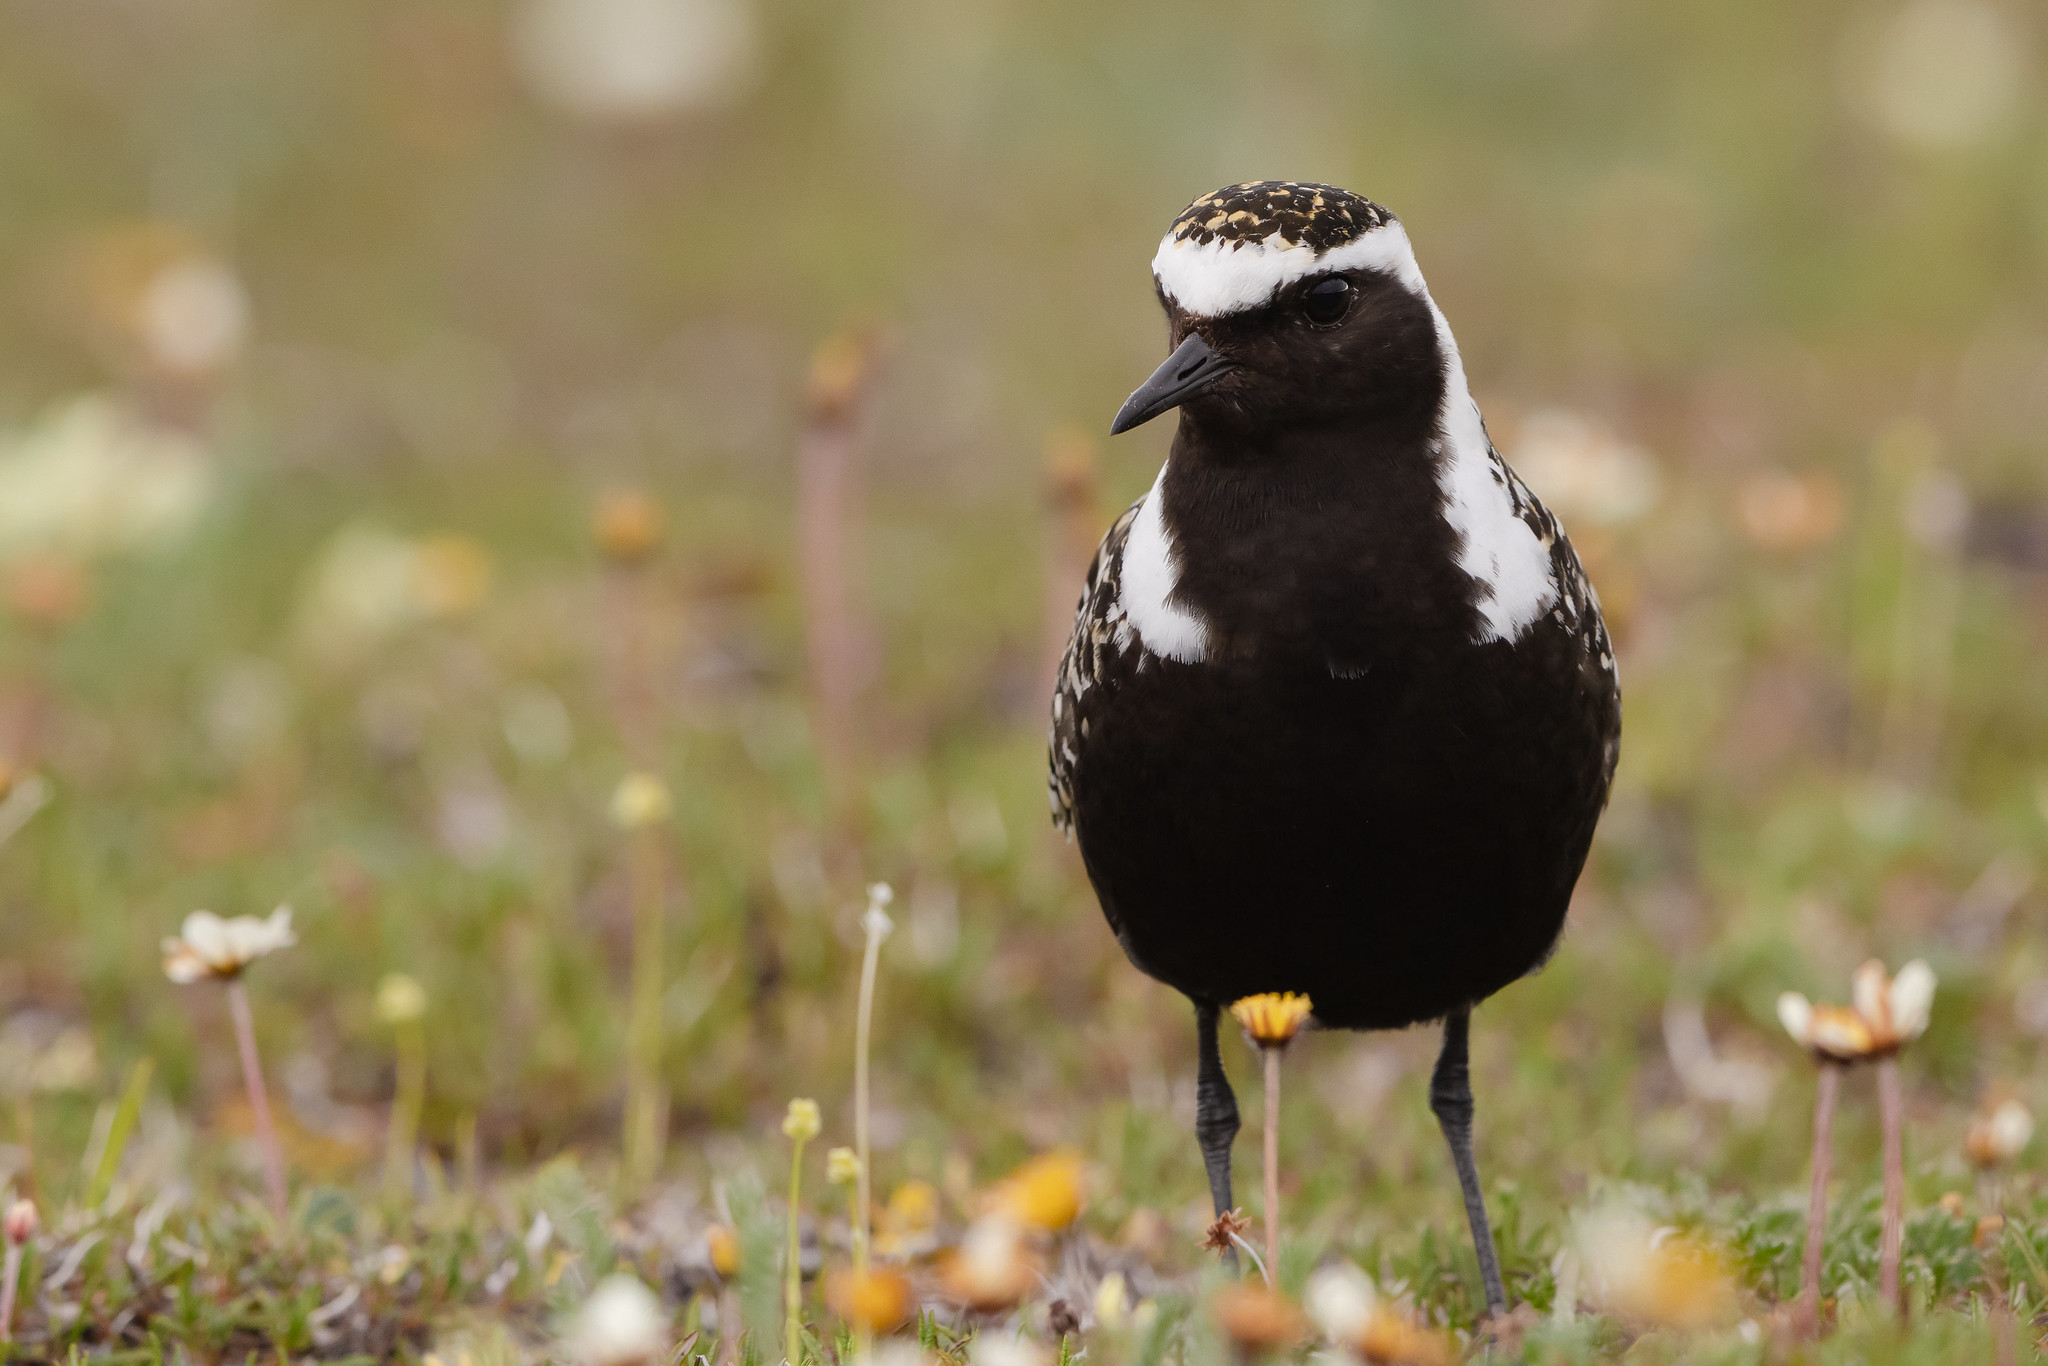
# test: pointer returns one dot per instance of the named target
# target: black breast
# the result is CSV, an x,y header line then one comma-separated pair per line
x,y
1348,795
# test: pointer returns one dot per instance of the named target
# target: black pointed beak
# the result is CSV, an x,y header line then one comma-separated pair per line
x,y
1191,368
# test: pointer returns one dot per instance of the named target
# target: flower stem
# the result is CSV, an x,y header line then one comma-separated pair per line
x,y
863,1197
1272,1137
1817,1203
1892,1236
407,1100
793,1273
645,1104
259,1098
10,1272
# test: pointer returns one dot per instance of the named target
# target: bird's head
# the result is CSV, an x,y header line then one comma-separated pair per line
x,y
1290,301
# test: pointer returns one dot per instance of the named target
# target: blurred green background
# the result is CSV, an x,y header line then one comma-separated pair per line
x,y
324,327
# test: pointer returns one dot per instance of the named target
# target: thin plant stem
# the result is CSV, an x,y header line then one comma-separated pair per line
x,y
646,1120
1253,1253
793,1273
407,1100
1817,1203
259,1097
1272,1136
1892,1236
10,1272
25,1133
863,1026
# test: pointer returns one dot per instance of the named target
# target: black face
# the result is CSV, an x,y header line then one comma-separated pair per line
x,y
1334,348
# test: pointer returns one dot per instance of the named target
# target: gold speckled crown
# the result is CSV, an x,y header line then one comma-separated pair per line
x,y
1299,212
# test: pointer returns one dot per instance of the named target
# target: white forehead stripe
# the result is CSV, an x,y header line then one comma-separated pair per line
x,y
1218,277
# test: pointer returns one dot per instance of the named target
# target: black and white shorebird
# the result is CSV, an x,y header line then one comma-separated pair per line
x,y
1339,713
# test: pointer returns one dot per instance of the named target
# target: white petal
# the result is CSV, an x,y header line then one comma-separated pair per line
x,y
2012,1128
1339,1301
1912,999
621,1324
1868,993
206,935
277,930
1795,1012
181,965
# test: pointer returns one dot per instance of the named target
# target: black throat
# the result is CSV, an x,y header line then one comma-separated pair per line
x,y
1324,546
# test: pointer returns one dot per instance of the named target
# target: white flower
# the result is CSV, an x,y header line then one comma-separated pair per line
x,y
1340,1302
91,478
621,60
1583,471
1888,1014
400,999
640,800
875,920
193,315
621,1324
1112,1302
208,946
2001,1134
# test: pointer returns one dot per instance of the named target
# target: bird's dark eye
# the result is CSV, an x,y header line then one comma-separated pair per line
x,y
1328,300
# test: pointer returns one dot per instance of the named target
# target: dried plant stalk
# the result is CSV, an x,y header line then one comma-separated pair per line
x,y
1272,1140
646,1121
1808,1318
10,1272
1073,524
826,494
259,1097
1892,1236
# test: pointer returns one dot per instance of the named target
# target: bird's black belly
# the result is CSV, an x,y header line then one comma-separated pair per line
x,y
1397,845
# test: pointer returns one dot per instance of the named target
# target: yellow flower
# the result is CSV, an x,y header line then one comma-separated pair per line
x,y
1045,1193
1113,1302
451,574
640,800
842,1168
400,999
1654,1275
871,1302
722,1247
208,946
909,1226
627,525
802,1123
1273,1018
1257,1319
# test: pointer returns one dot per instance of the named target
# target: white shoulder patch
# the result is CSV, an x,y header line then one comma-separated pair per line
x,y
1495,546
1150,571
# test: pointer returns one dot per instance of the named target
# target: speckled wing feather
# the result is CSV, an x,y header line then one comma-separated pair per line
x,y
1577,609
1095,654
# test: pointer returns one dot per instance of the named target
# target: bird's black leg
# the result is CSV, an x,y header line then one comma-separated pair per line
x,y
1450,1096
1215,1108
